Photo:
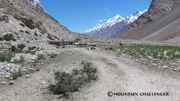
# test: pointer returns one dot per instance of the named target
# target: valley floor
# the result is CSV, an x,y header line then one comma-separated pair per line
x,y
116,74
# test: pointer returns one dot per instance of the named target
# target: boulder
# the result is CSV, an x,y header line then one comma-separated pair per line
x,y
11,82
3,83
166,67
27,76
7,76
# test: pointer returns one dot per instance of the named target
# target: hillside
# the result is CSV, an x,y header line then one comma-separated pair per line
x,y
21,19
165,29
157,10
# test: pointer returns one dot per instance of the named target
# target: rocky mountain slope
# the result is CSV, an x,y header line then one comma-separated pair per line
x,y
29,25
157,10
114,25
165,29
36,4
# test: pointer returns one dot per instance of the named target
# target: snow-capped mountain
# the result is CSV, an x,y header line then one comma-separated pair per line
x,y
114,25
37,4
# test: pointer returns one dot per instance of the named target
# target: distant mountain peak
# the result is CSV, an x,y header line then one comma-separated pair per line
x,y
116,18
137,13
37,4
110,28
98,25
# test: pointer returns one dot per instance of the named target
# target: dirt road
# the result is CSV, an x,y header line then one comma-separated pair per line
x,y
116,74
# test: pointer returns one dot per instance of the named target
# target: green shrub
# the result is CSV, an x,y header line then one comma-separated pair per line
x,y
13,48
68,83
40,56
22,31
27,32
8,37
1,39
93,48
33,52
21,46
21,61
50,37
32,48
35,34
8,57
2,57
15,33
90,71
42,33
75,72
17,74
22,24
52,55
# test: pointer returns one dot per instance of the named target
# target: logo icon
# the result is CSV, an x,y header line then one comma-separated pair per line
x,y
110,93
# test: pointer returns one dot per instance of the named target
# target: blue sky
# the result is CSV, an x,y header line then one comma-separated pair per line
x,y
79,15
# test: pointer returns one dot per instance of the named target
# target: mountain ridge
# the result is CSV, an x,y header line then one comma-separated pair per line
x,y
19,16
157,9
113,25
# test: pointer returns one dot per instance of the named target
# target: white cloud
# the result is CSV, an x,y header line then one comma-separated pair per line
x,y
106,9
101,20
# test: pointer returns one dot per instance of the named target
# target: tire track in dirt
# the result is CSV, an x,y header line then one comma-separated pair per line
x,y
128,76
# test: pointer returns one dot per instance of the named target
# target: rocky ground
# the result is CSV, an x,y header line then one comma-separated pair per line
x,y
116,74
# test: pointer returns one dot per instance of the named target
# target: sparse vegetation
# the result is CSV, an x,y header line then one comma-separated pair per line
x,y
13,48
52,55
150,52
15,33
42,33
33,52
27,32
92,48
17,74
22,60
1,39
21,46
35,34
22,24
2,57
71,82
77,40
6,57
7,37
50,37
104,59
22,31
109,48
32,48
40,56
155,51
